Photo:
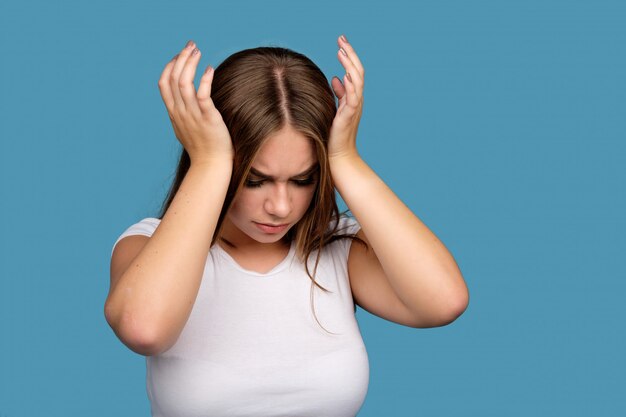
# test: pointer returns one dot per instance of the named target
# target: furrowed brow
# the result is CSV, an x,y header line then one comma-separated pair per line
x,y
309,171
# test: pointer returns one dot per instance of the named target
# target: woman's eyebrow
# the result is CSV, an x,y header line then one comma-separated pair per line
x,y
309,171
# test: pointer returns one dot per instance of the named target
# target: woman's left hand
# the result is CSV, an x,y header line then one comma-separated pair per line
x,y
342,140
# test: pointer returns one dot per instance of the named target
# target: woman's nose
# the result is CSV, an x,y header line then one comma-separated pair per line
x,y
278,203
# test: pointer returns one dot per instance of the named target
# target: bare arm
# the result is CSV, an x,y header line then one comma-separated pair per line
x,y
416,265
153,298
410,277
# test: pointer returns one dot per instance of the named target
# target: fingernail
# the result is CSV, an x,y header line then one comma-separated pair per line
x,y
348,75
343,52
209,68
343,38
189,44
195,51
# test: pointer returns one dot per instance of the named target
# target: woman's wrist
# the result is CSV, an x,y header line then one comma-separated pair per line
x,y
213,161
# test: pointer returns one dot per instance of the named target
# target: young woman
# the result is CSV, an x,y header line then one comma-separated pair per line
x,y
215,291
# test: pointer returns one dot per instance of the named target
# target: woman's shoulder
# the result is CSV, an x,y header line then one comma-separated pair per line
x,y
341,233
345,224
145,227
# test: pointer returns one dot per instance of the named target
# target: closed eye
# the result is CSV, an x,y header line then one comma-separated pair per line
x,y
299,183
303,183
254,184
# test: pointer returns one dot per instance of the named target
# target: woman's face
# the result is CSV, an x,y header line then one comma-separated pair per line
x,y
278,190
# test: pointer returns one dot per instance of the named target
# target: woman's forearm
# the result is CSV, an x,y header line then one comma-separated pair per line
x,y
154,297
419,268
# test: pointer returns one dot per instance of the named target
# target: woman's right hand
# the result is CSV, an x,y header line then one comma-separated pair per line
x,y
198,125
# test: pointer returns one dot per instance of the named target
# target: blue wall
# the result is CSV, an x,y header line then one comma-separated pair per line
x,y
500,124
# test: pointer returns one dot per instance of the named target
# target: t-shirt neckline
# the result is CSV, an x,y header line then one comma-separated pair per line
x,y
276,269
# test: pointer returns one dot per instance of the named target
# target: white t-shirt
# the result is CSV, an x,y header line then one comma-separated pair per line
x,y
252,347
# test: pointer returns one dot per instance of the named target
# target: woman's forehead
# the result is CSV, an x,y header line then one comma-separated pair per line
x,y
285,154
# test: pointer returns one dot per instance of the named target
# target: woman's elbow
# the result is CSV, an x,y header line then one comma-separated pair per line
x,y
132,336
457,304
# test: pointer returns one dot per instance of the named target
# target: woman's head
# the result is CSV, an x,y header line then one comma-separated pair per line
x,y
278,107
278,191
264,93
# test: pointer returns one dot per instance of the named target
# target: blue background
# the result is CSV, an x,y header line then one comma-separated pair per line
x,y
500,124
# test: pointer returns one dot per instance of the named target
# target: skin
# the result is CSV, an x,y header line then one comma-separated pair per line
x,y
410,276
407,277
278,201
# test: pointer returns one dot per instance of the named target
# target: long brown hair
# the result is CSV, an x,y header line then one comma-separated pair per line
x,y
258,91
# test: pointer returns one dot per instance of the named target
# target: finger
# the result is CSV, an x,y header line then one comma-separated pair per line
x,y
338,87
204,91
164,86
352,69
185,82
352,55
351,97
176,71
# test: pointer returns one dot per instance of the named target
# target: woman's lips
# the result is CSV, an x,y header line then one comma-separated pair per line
x,y
268,228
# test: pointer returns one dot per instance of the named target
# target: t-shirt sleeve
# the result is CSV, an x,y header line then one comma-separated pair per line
x,y
347,225
145,227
